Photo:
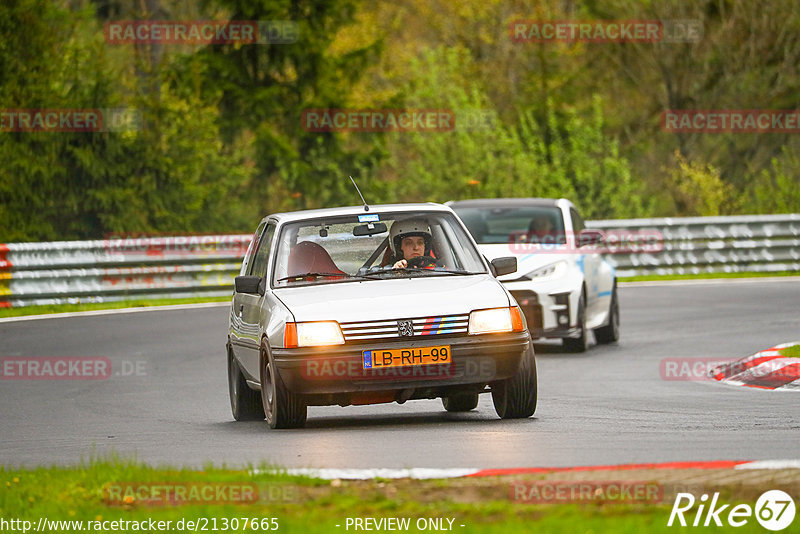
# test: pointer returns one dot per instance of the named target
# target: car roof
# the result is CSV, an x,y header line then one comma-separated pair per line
x,y
508,202
302,215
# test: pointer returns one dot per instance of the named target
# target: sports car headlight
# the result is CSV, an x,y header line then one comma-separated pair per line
x,y
495,320
312,334
548,272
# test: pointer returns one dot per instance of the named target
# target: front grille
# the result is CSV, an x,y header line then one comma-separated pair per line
x,y
423,326
529,304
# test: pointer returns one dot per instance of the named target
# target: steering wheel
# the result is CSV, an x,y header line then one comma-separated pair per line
x,y
424,262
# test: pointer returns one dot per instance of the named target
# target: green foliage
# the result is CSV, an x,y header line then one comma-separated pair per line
x,y
45,175
697,187
264,89
222,143
777,189
561,155
172,175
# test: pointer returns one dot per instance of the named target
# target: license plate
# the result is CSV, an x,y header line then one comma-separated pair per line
x,y
379,359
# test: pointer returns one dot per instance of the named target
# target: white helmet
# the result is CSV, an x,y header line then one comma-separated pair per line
x,y
407,228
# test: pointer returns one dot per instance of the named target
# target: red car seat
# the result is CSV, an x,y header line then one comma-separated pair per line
x,y
308,257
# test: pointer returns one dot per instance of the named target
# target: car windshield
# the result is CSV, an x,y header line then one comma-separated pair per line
x,y
523,224
357,247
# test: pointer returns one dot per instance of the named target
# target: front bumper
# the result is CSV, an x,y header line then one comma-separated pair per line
x,y
548,314
332,373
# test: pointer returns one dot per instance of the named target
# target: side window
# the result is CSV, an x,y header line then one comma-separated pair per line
x,y
251,249
577,222
261,260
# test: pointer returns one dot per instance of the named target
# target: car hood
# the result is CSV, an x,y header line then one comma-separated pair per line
x,y
374,300
532,258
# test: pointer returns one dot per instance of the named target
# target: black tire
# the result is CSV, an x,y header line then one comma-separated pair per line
x,y
245,402
515,397
460,402
610,332
283,408
580,343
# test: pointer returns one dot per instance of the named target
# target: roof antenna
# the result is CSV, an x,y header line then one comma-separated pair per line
x,y
366,208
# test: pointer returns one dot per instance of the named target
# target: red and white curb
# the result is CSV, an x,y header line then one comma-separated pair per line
x,y
768,369
430,473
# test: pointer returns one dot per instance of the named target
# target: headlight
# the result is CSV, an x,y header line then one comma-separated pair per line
x,y
312,334
548,272
495,320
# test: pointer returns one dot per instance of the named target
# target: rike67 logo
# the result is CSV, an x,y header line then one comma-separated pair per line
x,y
774,510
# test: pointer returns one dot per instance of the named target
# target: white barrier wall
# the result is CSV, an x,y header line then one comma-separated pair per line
x,y
755,243
117,269
196,266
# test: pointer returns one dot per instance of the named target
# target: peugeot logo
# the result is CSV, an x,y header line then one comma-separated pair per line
x,y
405,328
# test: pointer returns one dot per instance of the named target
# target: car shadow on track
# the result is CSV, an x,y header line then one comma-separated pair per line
x,y
405,421
556,351
553,350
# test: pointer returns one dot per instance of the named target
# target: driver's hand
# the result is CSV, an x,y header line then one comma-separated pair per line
x,y
400,264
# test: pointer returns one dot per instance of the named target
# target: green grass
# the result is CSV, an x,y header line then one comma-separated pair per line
x,y
303,504
791,352
65,308
704,276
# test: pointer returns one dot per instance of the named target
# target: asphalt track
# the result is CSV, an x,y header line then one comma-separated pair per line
x,y
607,406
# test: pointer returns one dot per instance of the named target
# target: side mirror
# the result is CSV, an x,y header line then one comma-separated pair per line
x,y
248,284
505,265
590,236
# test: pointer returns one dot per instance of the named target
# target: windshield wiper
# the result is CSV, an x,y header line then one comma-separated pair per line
x,y
313,275
301,277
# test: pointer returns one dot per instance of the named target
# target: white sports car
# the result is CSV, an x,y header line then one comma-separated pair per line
x,y
563,284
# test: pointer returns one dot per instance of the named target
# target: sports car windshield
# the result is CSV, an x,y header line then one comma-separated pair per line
x,y
533,224
357,247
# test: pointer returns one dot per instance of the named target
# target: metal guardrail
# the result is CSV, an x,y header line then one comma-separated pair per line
x,y
119,269
198,266
697,245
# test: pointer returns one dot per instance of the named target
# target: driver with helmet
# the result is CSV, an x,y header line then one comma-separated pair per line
x,y
410,240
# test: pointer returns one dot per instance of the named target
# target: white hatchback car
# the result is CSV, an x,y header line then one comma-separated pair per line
x,y
354,306
566,286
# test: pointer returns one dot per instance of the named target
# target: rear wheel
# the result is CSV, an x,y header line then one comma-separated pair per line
x,y
580,343
460,402
515,397
610,332
283,408
245,402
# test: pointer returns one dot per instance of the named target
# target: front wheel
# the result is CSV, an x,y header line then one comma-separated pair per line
x,y
610,332
580,343
283,408
245,402
515,397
